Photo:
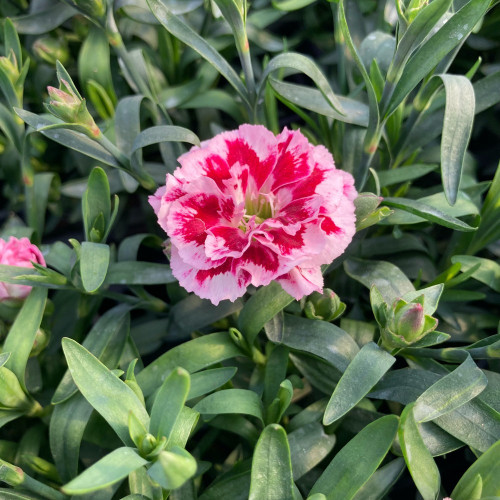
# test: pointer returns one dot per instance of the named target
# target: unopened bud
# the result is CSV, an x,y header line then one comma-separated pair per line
x,y
40,343
325,306
148,444
10,474
66,105
409,321
95,9
11,392
10,68
51,50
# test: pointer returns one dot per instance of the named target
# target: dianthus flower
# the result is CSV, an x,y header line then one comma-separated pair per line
x,y
249,207
18,252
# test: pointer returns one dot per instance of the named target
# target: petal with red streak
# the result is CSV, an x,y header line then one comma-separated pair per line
x,y
300,282
226,241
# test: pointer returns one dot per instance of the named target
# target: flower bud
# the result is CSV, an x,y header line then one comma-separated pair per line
x,y
325,306
409,321
148,444
12,475
406,323
41,341
51,50
95,9
9,67
66,105
12,395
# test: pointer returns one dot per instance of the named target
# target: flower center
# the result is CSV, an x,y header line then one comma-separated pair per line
x,y
259,206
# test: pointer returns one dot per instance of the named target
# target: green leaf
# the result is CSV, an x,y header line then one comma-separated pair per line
x,y
187,35
66,137
168,403
426,19
94,63
106,341
94,262
271,476
457,128
289,5
9,127
354,112
21,336
320,338
422,467
364,371
346,473
450,392
388,278
486,467
108,470
475,423
435,48
428,213
67,425
43,21
260,308
307,66
96,201
138,273
381,481
241,401
208,380
164,133
487,273
193,356
404,174
111,397
183,428
309,445
11,41
173,468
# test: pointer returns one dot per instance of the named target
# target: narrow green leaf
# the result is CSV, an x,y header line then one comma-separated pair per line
x,y
364,371
43,21
260,308
388,278
355,112
164,133
21,336
458,118
209,380
422,467
173,468
183,428
169,402
111,397
486,466
428,213
66,137
435,48
309,445
96,201
183,32
11,41
307,66
241,401
94,262
110,469
346,473
193,356
487,273
450,392
271,477
320,338
138,273
106,341
289,5
67,425
381,481
404,174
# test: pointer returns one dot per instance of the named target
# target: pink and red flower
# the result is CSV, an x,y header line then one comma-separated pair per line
x,y
21,253
249,207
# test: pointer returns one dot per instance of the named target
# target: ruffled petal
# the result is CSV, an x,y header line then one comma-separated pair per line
x,y
300,281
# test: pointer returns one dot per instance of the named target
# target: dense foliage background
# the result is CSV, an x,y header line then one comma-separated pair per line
x,y
331,397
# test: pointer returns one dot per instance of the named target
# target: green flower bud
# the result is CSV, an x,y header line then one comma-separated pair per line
x,y
148,444
12,395
95,9
41,341
325,306
12,475
10,68
406,323
66,105
51,50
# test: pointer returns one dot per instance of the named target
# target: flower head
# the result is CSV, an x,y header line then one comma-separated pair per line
x,y
21,253
248,207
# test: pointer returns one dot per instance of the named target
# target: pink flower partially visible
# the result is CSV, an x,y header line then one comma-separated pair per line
x,y
248,207
18,252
